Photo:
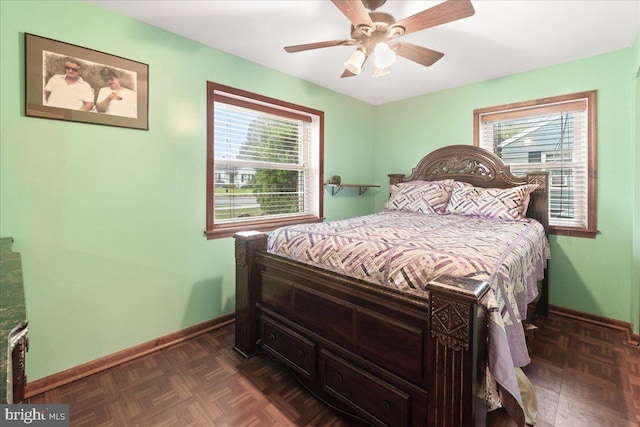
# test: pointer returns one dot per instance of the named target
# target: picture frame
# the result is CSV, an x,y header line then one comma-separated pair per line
x,y
74,83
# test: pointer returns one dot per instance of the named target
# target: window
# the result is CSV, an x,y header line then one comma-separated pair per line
x,y
264,162
557,135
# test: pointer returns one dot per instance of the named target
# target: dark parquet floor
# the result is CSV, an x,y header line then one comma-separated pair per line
x,y
584,375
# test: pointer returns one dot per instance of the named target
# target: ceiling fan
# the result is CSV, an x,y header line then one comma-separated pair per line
x,y
376,32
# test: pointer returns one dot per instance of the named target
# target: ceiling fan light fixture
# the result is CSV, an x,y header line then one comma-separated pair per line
x,y
355,61
385,56
380,72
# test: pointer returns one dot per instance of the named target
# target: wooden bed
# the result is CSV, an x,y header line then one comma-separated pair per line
x,y
332,330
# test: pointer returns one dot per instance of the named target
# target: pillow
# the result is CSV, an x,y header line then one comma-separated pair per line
x,y
497,203
430,197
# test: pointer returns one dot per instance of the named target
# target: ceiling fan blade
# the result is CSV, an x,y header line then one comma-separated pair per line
x,y
450,10
347,73
419,54
355,12
318,45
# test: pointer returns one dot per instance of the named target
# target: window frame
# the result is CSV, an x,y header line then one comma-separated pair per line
x,y
260,103
537,106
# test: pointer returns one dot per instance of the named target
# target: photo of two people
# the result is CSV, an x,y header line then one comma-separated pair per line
x,y
72,83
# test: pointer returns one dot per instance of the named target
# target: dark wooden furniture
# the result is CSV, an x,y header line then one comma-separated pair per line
x,y
386,357
13,325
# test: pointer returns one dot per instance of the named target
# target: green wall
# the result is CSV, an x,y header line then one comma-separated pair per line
x,y
635,297
110,221
589,275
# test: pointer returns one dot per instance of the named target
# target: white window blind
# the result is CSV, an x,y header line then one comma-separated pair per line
x,y
550,137
263,166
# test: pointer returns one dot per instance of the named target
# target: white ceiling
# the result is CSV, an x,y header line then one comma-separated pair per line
x,y
503,37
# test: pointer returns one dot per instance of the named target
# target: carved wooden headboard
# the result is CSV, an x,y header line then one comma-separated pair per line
x,y
481,168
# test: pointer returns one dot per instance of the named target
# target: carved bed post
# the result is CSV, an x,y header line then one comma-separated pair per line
x,y
457,361
540,211
247,280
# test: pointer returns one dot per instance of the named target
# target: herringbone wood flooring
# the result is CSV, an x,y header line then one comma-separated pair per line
x,y
584,375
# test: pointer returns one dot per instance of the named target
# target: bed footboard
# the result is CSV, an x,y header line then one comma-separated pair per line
x,y
383,356
247,277
458,352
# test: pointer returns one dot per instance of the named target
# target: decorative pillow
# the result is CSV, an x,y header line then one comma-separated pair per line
x,y
420,196
497,203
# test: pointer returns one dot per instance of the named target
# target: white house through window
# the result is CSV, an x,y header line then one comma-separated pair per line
x,y
555,135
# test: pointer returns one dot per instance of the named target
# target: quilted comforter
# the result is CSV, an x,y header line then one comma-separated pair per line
x,y
406,250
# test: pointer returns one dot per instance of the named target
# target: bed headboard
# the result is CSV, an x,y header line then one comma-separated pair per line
x,y
481,168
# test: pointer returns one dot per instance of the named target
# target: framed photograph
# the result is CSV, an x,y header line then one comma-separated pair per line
x,y
69,82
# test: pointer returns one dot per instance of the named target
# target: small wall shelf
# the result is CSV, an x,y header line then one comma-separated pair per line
x,y
362,188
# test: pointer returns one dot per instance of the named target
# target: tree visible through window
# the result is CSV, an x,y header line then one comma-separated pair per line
x,y
264,159
557,135
277,191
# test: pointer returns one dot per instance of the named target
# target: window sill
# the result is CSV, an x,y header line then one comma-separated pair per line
x,y
228,230
573,232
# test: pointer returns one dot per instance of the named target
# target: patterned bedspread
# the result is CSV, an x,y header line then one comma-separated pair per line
x,y
406,250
